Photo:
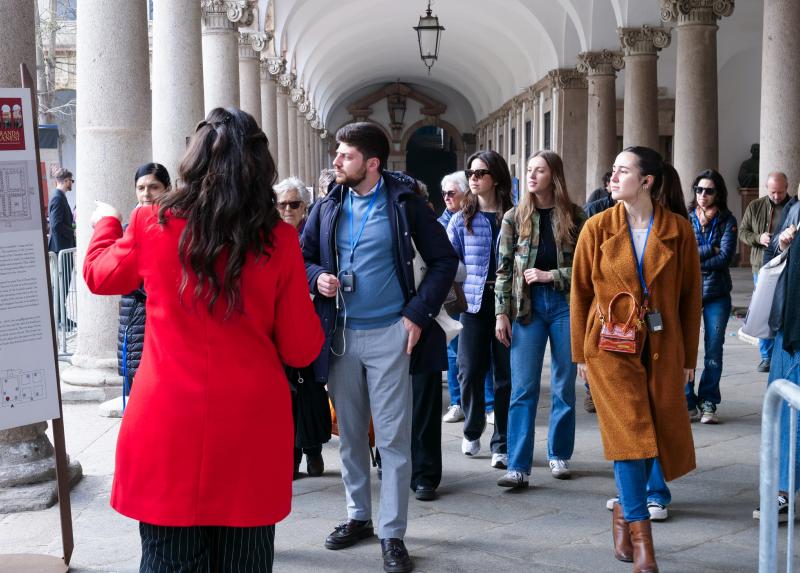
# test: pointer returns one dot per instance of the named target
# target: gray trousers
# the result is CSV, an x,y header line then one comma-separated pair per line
x,y
372,377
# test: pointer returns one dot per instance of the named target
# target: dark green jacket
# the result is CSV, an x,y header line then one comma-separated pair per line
x,y
755,221
512,293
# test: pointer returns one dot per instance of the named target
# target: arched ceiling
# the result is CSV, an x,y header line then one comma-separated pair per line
x,y
489,51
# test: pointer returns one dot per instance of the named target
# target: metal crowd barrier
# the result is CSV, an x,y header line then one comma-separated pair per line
x,y
53,261
67,315
777,392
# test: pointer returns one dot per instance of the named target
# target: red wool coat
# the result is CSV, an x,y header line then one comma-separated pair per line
x,y
207,436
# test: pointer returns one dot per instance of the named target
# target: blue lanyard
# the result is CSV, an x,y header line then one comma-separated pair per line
x,y
705,241
640,261
354,239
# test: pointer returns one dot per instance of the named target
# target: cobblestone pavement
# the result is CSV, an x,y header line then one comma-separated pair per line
x,y
474,525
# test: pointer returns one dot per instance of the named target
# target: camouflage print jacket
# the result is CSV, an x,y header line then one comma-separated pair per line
x,y
512,294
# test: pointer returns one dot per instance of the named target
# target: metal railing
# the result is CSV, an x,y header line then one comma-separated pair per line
x,y
777,392
66,314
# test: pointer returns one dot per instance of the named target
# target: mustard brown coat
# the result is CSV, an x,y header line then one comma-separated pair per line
x,y
641,411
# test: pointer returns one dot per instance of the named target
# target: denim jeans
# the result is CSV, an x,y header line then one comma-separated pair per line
x,y
550,320
657,490
631,477
715,320
785,365
764,344
452,378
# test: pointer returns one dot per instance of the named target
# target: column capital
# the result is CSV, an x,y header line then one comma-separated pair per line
x,y
602,63
227,13
323,134
251,44
285,83
705,12
644,40
297,93
303,106
567,78
272,67
311,115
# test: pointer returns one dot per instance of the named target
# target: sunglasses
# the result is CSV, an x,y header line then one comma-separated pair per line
x,y
710,191
478,173
282,205
449,193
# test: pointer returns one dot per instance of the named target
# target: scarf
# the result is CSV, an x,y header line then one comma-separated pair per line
x,y
706,215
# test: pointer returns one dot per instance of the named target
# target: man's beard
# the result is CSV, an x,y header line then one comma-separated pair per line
x,y
354,181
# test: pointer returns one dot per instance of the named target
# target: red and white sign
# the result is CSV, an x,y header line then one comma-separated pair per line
x,y
12,124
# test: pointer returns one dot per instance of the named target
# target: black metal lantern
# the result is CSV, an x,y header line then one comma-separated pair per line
x,y
429,33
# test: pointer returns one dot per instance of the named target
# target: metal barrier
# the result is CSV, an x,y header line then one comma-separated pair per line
x,y
53,262
67,317
777,392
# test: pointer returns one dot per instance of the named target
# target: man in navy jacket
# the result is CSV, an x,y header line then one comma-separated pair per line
x,y
359,243
62,233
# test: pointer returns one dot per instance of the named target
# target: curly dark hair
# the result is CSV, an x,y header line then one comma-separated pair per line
x,y
225,194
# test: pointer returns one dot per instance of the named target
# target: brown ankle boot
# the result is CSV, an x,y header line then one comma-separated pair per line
x,y
644,556
623,550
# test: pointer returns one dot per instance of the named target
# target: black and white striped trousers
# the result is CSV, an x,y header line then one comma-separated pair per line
x,y
206,549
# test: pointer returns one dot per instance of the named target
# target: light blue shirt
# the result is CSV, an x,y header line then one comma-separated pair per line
x,y
378,298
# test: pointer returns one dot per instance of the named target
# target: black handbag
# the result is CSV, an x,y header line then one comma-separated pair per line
x,y
456,302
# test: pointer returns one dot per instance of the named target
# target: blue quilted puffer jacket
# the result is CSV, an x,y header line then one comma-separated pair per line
x,y
717,247
474,250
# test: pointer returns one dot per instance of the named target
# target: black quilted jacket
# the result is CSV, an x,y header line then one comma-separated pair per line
x,y
131,321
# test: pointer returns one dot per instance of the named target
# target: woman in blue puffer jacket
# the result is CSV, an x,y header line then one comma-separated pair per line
x,y
474,233
715,229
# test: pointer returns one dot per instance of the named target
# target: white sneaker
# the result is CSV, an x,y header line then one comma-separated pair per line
x,y
454,414
560,469
470,447
490,418
610,503
657,511
499,461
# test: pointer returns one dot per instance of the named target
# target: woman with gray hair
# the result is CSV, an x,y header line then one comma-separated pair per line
x,y
311,413
293,200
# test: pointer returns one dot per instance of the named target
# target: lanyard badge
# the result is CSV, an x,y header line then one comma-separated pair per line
x,y
652,317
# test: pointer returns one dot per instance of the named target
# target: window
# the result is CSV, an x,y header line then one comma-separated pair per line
x,y
513,141
500,148
546,123
490,144
528,130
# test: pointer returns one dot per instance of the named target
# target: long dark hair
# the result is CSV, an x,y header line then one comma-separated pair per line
x,y
225,194
666,189
498,171
721,195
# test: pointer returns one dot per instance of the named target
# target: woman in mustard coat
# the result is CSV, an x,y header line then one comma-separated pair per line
x,y
641,248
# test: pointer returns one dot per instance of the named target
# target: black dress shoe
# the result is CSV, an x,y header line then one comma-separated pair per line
x,y
395,556
315,465
349,533
763,366
425,493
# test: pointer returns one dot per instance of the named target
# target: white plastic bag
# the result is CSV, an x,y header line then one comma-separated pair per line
x,y
757,321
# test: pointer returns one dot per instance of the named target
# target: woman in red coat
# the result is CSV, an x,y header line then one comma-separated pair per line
x,y
204,456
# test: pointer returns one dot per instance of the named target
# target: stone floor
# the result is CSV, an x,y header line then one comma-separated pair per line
x,y
474,526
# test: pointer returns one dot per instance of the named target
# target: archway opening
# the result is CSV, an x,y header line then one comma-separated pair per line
x,y
430,155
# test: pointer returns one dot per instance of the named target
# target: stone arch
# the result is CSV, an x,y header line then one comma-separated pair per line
x,y
451,130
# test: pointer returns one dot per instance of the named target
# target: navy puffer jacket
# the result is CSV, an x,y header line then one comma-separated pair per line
x,y
131,321
717,247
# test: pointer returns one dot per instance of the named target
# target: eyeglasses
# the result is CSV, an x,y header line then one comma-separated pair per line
x,y
710,191
449,193
282,205
478,173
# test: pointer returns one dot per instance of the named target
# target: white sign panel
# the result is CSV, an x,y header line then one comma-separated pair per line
x,y
28,391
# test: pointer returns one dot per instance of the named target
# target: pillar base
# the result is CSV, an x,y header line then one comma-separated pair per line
x,y
38,496
111,408
89,383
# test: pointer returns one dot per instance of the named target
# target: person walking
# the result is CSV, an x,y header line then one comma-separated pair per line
x,y
62,223
715,229
759,222
636,274
474,232
228,306
358,244
537,243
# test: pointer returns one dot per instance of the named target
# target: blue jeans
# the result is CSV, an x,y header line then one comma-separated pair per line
x,y
715,320
785,365
550,319
764,344
631,477
452,378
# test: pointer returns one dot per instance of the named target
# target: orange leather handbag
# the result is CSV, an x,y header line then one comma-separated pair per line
x,y
621,336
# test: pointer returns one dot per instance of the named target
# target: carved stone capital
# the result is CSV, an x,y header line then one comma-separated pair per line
x,y
298,94
644,40
323,134
567,78
311,115
602,63
227,14
303,107
274,66
250,44
695,11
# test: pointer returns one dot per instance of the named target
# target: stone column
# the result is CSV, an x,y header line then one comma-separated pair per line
x,y
536,127
250,46
696,141
300,121
295,97
311,114
221,50
177,79
601,139
270,70
780,92
569,127
113,139
284,153
641,46
27,462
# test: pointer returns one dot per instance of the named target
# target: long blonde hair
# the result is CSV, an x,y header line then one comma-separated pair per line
x,y
564,220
